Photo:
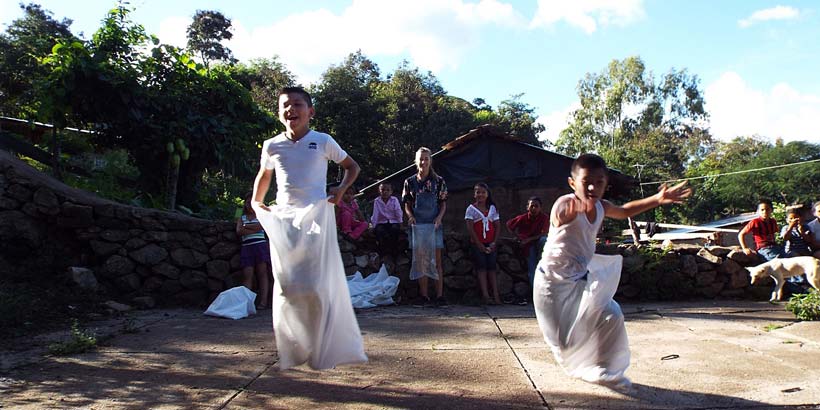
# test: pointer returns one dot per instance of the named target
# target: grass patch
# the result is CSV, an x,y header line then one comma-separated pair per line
x,y
805,306
81,341
771,327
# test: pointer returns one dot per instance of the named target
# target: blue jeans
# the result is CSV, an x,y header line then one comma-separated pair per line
x,y
534,257
770,252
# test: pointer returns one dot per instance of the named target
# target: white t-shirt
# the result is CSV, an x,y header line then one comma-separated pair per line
x,y
301,166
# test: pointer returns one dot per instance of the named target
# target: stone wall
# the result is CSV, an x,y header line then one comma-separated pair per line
x,y
148,257
686,272
136,255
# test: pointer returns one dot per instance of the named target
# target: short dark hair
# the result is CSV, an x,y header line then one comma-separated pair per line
x,y
793,211
535,199
296,90
387,184
588,161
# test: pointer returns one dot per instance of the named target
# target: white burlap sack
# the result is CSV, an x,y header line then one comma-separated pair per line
x,y
234,303
581,322
313,318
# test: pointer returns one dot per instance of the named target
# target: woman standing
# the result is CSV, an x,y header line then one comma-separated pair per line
x,y
424,196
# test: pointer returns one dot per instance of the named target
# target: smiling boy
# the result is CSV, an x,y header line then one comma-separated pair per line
x,y
313,318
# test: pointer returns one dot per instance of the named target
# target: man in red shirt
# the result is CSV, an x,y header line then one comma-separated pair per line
x,y
531,229
763,229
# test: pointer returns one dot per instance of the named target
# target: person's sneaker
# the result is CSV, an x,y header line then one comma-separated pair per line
x,y
441,301
422,301
521,302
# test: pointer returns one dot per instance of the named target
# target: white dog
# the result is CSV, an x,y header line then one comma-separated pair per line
x,y
780,269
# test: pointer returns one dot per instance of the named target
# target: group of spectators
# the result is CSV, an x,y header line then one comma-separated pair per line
x,y
798,238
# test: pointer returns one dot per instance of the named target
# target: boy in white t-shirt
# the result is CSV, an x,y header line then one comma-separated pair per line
x,y
313,317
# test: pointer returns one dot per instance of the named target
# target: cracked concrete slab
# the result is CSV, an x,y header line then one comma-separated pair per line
x,y
696,355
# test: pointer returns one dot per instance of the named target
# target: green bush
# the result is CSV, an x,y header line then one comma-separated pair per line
x,y
805,306
81,341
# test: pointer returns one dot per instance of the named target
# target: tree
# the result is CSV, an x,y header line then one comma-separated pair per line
x,y
740,192
26,39
205,35
143,101
348,108
264,78
632,120
518,118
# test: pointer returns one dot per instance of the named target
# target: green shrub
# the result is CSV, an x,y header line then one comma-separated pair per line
x,y
805,306
81,341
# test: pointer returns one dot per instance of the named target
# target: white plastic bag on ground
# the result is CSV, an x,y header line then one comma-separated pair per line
x,y
313,318
375,290
582,324
234,303
424,251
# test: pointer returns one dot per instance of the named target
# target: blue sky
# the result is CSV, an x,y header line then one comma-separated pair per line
x,y
758,61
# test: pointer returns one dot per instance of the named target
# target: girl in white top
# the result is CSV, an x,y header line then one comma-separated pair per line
x,y
573,292
482,222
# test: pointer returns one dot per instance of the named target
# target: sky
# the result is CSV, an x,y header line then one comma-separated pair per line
x,y
758,61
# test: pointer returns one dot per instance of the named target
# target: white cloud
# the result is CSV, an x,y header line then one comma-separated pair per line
x,y
736,109
173,31
774,13
588,14
434,34
556,122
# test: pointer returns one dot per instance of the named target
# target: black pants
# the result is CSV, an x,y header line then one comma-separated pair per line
x,y
387,237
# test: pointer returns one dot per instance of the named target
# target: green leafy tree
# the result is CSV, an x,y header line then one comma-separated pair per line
x,y
791,185
631,119
519,119
347,107
205,35
26,40
142,101
264,78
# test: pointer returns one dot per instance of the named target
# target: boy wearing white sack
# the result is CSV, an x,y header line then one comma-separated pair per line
x,y
573,291
313,318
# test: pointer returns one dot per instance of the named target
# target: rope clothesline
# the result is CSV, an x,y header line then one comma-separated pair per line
x,y
730,173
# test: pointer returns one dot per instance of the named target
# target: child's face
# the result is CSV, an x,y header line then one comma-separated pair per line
x,y
534,208
764,211
385,191
294,112
348,195
589,184
480,194
793,218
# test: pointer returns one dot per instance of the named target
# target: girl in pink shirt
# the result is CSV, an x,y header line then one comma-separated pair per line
x,y
386,220
348,216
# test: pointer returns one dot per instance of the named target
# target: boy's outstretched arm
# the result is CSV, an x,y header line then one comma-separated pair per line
x,y
260,187
352,169
665,195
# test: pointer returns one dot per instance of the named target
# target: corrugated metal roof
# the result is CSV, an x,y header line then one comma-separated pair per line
x,y
720,223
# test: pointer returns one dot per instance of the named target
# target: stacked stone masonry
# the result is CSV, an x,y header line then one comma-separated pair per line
x,y
147,257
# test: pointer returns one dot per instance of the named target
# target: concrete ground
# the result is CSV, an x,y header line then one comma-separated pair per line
x,y
703,355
